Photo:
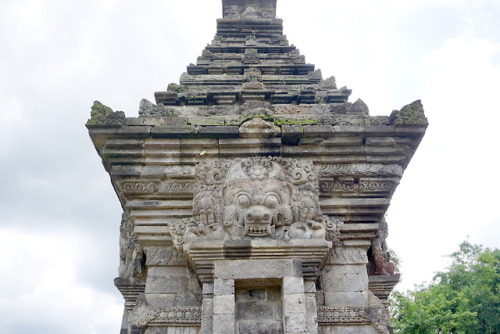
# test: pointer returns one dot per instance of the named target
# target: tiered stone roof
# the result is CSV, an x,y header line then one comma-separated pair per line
x,y
251,60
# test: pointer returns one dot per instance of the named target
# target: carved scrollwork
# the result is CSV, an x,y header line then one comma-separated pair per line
x,y
177,187
139,187
360,169
366,186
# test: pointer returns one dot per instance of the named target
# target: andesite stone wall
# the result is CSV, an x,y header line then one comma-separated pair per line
x,y
254,192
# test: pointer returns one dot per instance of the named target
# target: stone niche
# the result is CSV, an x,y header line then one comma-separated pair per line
x,y
254,193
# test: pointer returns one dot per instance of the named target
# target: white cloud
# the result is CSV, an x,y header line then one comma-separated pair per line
x,y
44,294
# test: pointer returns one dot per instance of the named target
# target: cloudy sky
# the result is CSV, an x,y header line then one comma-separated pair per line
x,y
59,216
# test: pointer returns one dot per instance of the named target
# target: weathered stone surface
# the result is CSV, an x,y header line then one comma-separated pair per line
x,y
254,193
260,327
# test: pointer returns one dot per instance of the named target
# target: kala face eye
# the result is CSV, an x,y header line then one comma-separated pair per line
x,y
272,201
243,201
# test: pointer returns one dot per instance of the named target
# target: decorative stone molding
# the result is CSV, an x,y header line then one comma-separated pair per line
x,y
382,285
337,315
354,315
360,169
368,186
138,187
130,291
150,316
176,187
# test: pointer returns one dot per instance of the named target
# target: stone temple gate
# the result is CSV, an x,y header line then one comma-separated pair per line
x,y
254,193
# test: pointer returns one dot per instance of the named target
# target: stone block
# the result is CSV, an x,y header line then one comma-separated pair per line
x,y
318,131
206,121
224,287
223,324
247,269
161,121
334,282
173,131
291,134
345,269
163,284
218,131
344,298
363,280
294,303
353,283
180,300
168,271
208,288
255,310
293,285
207,308
309,286
224,304
295,323
260,327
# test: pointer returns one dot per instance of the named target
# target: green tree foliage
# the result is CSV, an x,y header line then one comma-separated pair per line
x,y
464,299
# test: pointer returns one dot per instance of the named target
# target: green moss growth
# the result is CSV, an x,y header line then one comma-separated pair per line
x,y
101,114
295,121
410,114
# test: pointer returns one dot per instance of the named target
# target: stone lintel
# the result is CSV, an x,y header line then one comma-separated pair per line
x,y
205,255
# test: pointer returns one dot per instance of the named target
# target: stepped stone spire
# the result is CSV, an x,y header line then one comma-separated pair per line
x,y
251,60
254,193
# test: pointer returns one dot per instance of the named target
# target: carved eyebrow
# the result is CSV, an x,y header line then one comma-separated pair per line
x,y
272,193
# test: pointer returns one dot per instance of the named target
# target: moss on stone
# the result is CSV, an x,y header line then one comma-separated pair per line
x,y
411,114
101,114
295,121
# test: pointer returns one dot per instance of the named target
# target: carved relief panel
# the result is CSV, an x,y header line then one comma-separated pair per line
x,y
258,197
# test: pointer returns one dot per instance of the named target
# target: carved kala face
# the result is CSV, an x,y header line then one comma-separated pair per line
x,y
259,205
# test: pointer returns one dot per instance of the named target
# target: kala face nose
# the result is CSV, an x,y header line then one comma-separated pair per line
x,y
258,215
